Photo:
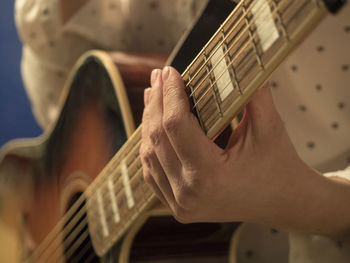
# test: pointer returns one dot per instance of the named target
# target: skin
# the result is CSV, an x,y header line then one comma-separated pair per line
x,y
257,178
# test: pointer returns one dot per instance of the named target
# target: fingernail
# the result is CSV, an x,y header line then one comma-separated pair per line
x,y
154,76
165,73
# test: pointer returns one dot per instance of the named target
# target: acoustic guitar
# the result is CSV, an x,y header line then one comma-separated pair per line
x,y
80,184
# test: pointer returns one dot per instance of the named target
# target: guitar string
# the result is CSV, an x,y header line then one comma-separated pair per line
x,y
228,34
302,6
211,87
137,174
235,41
82,199
80,213
72,210
207,89
69,238
108,213
220,76
66,238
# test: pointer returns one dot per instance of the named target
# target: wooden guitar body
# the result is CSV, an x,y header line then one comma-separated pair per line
x,y
79,186
51,172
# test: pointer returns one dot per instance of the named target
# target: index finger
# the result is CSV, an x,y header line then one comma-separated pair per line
x,y
182,127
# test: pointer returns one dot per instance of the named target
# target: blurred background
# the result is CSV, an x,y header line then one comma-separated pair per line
x,y
16,118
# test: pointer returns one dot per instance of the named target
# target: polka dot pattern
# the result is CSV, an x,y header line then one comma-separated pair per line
x,y
148,26
312,94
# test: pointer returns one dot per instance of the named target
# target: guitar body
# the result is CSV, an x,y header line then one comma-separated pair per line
x,y
53,170
79,187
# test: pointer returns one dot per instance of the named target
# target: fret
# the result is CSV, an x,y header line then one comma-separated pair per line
x,y
147,192
292,14
223,77
221,73
213,86
280,20
230,63
142,184
137,190
194,98
251,34
266,27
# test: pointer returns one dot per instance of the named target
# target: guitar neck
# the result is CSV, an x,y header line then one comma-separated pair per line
x,y
246,49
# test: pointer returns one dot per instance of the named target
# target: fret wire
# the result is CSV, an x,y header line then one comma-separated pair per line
x,y
289,20
217,46
120,196
112,165
226,85
98,179
124,211
252,65
247,71
296,13
239,51
232,69
259,9
214,90
211,116
284,30
194,99
251,36
233,27
117,170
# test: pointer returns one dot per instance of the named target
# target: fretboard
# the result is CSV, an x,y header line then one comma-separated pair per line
x,y
249,45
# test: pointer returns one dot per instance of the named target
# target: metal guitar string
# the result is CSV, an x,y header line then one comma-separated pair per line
x,y
80,201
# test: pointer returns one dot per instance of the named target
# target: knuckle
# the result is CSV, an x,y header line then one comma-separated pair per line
x,y
155,135
146,156
181,215
171,121
147,176
185,198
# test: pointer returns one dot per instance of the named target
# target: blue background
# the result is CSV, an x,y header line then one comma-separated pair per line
x,y
16,119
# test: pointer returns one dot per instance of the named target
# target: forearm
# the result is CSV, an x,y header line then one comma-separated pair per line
x,y
311,203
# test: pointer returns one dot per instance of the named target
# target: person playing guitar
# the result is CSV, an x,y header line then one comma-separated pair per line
x,y
271,170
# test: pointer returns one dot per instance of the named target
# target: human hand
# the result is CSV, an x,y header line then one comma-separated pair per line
x,y
255,178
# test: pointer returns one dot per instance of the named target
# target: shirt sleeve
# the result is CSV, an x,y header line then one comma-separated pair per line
x,y
37,22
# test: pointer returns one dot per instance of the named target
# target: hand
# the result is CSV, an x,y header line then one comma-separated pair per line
x,y
258,177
